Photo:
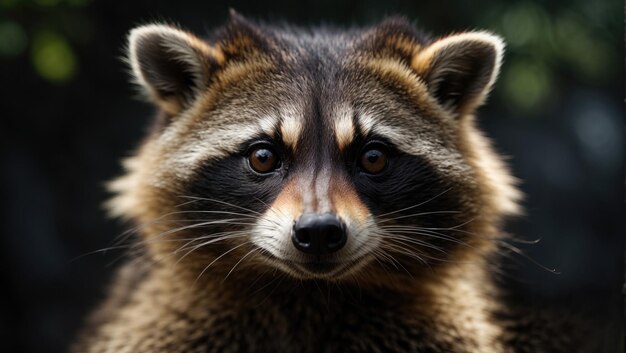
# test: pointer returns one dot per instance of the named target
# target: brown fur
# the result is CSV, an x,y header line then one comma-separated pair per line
x,y
258,80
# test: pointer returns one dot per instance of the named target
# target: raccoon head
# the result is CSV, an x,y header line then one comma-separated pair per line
x,y
326,154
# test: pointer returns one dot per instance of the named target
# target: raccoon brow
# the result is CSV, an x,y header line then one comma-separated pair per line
x,y
262,138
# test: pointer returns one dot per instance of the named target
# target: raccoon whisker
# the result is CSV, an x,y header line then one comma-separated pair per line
x,y
442,236
519,241
254,217
206,243
423,257
274,222
402,251
320,290
269,207
186,203
418,205
410,248
269,283
222,202
397,248
280,279
256,224
189,243
270,247
238,262
138,245
219,257
338,287
416,215
209,222
496,238
355,278
428,233
135,245
403,235
411,229
382,265
406,240
128,232
384,256
214,212
454,228
98,251
232,221
408,252
198,246
415,254
212,223
124,236
411,241
258,278
159,237
381,253
214,239
394,261
198,220
219,234
518,251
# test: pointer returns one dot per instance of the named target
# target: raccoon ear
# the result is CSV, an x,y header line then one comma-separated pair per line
x,y
170,64
460,70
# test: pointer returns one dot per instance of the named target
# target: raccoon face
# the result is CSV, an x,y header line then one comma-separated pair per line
x,y
325,154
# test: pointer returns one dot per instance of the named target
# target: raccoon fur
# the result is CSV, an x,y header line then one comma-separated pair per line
x,y
313,190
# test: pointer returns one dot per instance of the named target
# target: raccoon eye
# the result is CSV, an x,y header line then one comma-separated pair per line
x,y
263,159
374,159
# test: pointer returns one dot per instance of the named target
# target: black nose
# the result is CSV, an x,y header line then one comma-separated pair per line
x,y
319,234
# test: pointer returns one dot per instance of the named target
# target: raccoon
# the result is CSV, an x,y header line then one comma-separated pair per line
x,y
312,190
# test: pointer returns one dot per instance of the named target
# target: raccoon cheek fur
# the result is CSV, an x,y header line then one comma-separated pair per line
x,y
311,190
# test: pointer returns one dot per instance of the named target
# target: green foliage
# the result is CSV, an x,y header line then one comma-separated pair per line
x,y
550,44
13,39
527,84
41,3
53,57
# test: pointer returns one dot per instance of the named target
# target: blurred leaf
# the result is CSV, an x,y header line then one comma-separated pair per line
x,y
13,39
53,57
77,2
44,3
8,3
47,2
523,22
527,84
585,53
78,27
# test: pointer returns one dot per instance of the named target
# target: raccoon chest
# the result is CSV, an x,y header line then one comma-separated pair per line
x,y
318,329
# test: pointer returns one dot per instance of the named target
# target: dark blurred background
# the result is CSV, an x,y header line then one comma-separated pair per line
x,y
68,114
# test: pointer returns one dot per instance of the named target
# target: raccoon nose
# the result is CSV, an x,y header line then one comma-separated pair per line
x,y
319,234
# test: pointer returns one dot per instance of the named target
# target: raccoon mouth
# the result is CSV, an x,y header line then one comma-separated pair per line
x,y
320,268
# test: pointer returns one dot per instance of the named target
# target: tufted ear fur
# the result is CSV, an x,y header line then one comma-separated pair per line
x,y
460,70
170,64
173,66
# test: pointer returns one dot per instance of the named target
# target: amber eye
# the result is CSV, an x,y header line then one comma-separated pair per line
x,y
263,159
374,160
